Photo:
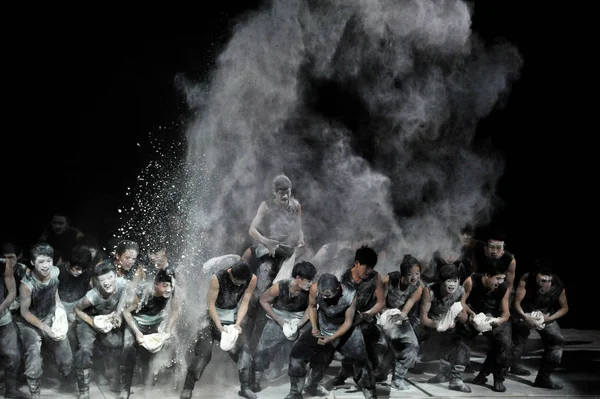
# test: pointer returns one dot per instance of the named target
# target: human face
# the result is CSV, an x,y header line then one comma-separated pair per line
x,y
413,276
236,281
58,224
363,271
495,249
465,238
108,282
164,289
451,285
75,271
157,258
303,283
282,197
495,281
544,282
127,259
42,266
330,296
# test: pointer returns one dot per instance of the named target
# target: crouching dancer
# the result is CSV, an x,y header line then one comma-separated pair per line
x,y
228,298
99,317
331,330
442,304
9,346
143,315
39,301
403,292
285,302
487,294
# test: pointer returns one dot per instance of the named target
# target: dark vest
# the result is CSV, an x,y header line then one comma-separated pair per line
x,y
365,290
480,300
285,302
229,293
544,302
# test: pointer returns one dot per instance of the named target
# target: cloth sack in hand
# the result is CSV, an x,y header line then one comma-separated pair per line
x,y
154,342
539,319
228,337
391,318
290,329
104,322
60,324
483,323
447,319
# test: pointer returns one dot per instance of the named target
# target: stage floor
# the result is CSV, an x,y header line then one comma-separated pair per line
x,y
579,373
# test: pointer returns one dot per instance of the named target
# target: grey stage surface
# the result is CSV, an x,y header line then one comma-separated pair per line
x,y
580,375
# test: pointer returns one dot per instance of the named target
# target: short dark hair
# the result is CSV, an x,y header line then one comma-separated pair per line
x,y
304,270
163,276
328,282
241,271
366,256
448,272
104,268
408,262
41,249
81,257
282,182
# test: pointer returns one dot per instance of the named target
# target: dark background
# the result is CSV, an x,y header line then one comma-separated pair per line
x,y
90,88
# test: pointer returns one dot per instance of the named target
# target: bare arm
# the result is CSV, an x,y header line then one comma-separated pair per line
x,y
378,307
564,308
468,286
510,274
174,316
129,318
505,309
301,232
425,306
84,303
386,286
350,312
213,293
519,295
414,298
245,301
59,303
312,309
9,282
267,298
254,233
25,300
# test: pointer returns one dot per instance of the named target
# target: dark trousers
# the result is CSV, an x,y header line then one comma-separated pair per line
x,y
32,340
88,338
352,346
498,355
10,351
203,354
552,338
